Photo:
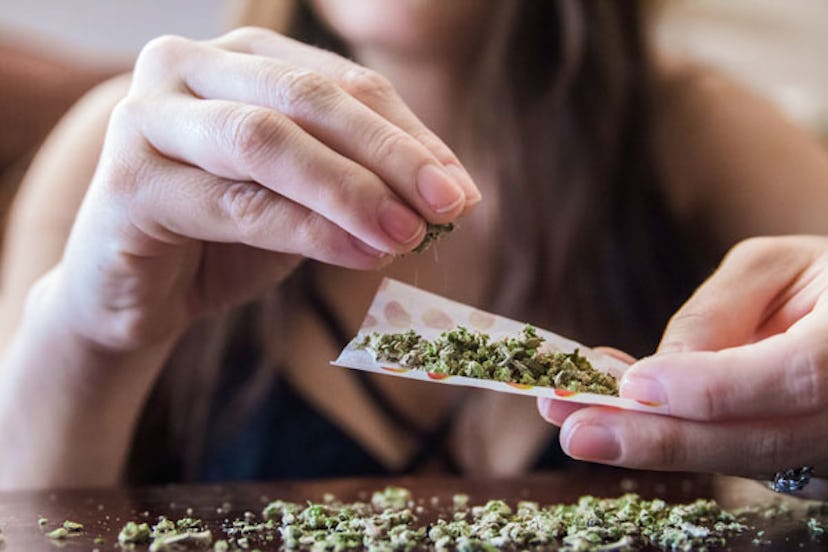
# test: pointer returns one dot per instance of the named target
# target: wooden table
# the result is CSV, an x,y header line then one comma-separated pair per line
x,y
103,512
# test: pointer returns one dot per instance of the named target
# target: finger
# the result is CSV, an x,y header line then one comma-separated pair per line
x,y
248,143
645,441
555,412
617,354
741,301
177,201
782,375
365,85
335,118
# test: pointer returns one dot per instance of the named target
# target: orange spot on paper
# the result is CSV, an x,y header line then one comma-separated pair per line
x,y
369,322
564,392
517,385
481,320
434,376
436,318
396,315
395,369
648,403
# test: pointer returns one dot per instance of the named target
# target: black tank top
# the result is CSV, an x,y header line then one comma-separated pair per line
x,y
286,437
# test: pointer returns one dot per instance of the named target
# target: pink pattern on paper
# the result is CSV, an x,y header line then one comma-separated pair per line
x,y
437,318
399,307
480,320
396,315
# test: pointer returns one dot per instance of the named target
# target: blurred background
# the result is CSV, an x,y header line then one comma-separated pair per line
x,y
109,30
51,52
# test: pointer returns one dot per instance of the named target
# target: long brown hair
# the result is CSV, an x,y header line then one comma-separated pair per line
x,y
559,110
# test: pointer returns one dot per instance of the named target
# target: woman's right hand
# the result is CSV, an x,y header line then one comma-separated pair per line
x,y
227,163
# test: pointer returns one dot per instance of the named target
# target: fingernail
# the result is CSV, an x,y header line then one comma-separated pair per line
x,y
466,183
592,442
400,222
544,405
643,389
439,189
367,249
555,412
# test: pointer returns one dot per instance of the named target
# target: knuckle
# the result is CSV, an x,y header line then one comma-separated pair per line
x,y
128,112
245,204
386,144
251,132
435,145
758,252
311,234
773,448
349,189
126,164
366,84
807,377
713,401
132,328
307,230
669,448
161,54
298,88
245,35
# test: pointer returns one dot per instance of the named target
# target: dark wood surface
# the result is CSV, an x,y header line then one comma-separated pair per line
x,y
103,512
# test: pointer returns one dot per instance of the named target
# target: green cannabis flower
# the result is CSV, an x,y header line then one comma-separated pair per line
x,y
166,534
433,232
589,525
68,529
461,352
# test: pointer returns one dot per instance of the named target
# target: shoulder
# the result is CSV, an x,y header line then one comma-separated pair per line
x,y
45,206
72,148
728,156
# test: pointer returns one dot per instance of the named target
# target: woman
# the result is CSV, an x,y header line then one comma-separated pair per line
x,y
229,162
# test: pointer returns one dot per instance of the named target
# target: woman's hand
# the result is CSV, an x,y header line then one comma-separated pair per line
x,y
742,368
227,163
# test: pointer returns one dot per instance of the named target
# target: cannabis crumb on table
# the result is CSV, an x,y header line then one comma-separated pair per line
x,y
462,352
391,521
68,529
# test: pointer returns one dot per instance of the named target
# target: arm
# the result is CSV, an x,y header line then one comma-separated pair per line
x,y
91,404
732,163
227,162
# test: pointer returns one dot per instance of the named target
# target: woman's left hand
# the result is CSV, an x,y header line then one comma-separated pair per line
x,y
742,368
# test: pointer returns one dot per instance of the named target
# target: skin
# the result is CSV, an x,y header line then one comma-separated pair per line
x,y
200,173
742,365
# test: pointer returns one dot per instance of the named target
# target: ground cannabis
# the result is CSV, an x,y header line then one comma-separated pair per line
x,y
816,529
166,535
589,525
390,521
135,533
461,352
433,233
68,529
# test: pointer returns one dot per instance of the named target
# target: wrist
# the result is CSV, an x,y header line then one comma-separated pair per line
x,y
91,397
56,311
